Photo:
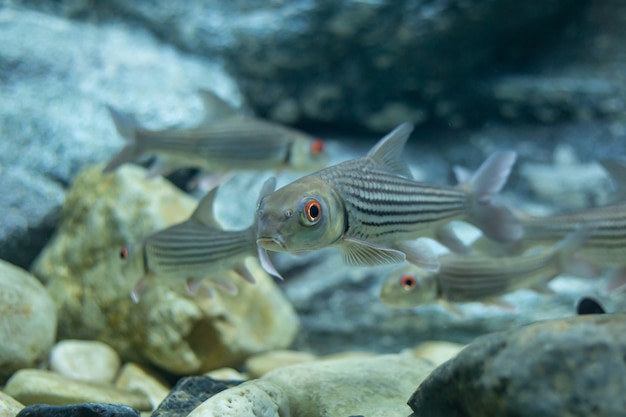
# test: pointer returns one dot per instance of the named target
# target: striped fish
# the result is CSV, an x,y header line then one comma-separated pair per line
x,y
232,143
373,211
480,277
195,249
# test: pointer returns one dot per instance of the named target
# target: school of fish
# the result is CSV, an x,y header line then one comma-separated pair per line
x,y
370,209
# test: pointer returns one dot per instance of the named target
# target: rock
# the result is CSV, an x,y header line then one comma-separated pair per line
x,y
568,367
190,392
79,410
330,83
437,352
29,320
228,374
85,360
375,387
262,363
180,334
8,406
82,66
34,386
136,378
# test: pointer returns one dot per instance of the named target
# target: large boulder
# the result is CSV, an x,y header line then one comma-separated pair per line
x,y
565,368
183,335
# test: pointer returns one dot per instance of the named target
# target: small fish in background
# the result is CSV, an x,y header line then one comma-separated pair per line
x,y
223,142
480,277
588,305
374,211
193,250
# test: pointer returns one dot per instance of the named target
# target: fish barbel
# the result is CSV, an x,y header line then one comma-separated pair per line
x,y
373,211
233,142
195,249
478,277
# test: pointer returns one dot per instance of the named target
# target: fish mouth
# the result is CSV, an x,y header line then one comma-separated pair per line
x,y
271,243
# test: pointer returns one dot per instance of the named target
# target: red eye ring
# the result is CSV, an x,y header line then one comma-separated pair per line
x,y
408,282
317,146
313,211
124,253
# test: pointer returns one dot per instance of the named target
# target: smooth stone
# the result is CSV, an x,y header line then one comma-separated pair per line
x,y
228,374
437,352
555,368
189,393
167,327
9,407
34,386
375,387
85,360
79,410
262,363
29,320
137,378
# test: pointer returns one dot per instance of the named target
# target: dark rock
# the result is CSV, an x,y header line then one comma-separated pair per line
x,y
189,393
348,62
79,410
570,367
588,305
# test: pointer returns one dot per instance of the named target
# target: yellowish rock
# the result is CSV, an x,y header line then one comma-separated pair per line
x,y
137,378
85,360
183,335
28,320
9,407
372,386
34,386
437,352
262,363
227,374
348,354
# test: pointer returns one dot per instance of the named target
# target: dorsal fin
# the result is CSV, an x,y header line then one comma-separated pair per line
x,y
268,187
203,214
388,151
616,168
215,108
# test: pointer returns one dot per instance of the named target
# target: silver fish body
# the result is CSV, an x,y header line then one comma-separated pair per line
x,y
371,209
478,277
234,143
195,249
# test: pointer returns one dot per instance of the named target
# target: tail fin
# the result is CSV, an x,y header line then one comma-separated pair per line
x,y
493,218
126,127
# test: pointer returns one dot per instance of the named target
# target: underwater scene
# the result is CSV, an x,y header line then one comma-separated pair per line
x,y
308,208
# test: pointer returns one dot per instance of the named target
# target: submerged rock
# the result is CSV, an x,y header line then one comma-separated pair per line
x,y
34,386
570,367
79,410
9,407
29,320
82,271
85,360
376,387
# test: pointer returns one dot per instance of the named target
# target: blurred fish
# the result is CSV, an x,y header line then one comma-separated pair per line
x,y
195,249
233,142
588,305
479,277
371,209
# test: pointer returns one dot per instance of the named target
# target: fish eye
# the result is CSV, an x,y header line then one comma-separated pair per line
x,y
408,282
124,253
312,211
317,146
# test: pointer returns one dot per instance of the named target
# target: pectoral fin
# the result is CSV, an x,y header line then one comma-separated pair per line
x,y
360,252
421,254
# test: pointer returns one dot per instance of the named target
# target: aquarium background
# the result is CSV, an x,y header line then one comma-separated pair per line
x,y
544,78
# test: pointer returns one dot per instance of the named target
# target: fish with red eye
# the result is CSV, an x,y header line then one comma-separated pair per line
x,y
317,146
408,282
313,211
